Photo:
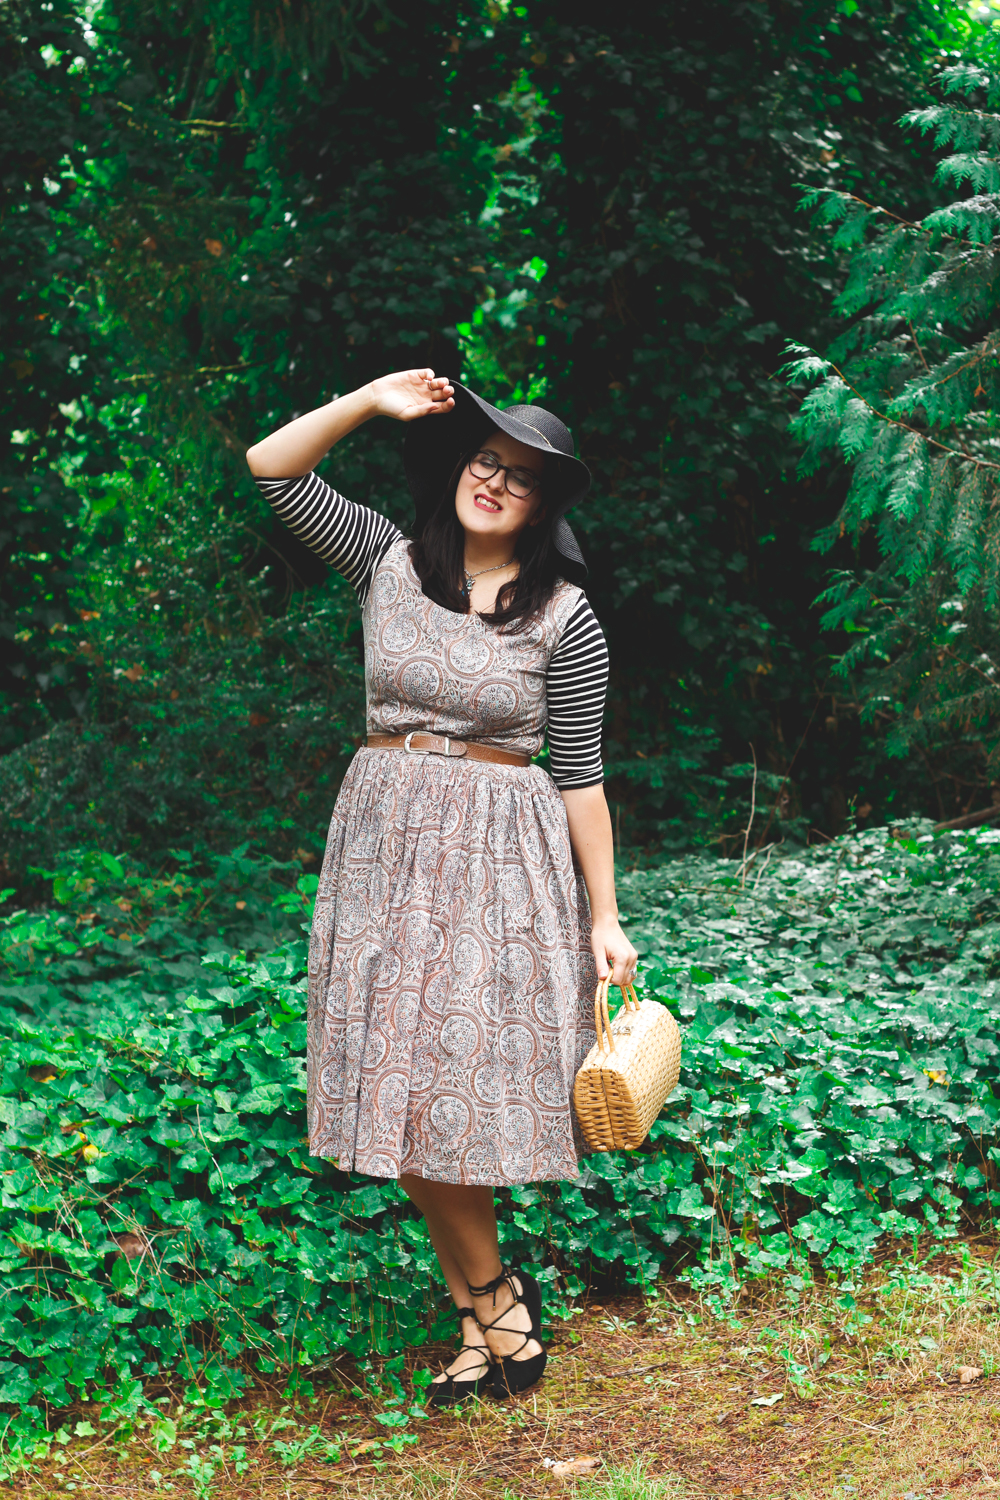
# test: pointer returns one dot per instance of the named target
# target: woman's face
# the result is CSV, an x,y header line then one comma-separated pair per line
x,y
486,507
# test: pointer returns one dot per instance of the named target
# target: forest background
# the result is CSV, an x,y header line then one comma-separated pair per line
x,y
746,251
218,216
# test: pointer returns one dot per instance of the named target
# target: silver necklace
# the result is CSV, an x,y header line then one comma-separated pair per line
x,y
470,578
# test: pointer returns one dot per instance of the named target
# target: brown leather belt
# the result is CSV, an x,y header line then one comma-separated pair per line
x,y
421,743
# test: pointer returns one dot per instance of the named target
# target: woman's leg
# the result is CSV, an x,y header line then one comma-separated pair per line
x,y
470,1362
462,1225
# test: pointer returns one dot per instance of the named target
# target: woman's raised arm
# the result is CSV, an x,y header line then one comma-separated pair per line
x,y
300,445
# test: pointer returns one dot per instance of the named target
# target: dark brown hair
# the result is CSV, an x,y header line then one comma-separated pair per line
x,y
438,554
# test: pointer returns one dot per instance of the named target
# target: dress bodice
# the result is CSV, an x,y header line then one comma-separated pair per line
x,y
427,667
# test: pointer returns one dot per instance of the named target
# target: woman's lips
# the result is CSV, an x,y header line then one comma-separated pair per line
x,y
485,503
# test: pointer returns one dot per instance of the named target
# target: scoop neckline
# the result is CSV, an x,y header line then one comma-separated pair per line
x,y
453,614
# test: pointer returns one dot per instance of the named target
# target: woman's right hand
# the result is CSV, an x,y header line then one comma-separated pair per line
x,y
300,445
409,394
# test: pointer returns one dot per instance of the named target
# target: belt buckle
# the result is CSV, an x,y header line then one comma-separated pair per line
x,y
446,752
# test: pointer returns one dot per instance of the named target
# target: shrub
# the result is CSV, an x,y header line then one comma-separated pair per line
x,y
214,710
160,1215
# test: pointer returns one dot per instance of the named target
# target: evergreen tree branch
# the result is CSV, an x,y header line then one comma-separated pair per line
x,y
980,463
876,208
927,346
881,602
950,651
976,358
949,112
916,345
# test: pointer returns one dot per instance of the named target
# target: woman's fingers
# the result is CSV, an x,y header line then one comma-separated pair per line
x,y
433,393
623,964
409,394
424,409
435,384
616,961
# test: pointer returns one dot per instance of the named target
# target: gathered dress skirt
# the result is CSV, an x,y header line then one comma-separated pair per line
x,y
451,978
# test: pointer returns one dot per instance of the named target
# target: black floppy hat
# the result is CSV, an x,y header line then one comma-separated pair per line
x,y
435,444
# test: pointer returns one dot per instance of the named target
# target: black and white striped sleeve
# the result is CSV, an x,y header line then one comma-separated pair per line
x,y
576,686
351,538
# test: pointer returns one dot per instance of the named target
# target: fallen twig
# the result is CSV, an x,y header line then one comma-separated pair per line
x,y
970,820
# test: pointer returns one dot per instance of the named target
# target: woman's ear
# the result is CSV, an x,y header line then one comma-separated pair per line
x,y
538,516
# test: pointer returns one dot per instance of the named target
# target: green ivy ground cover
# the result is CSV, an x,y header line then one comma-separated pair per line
x,y
160,1217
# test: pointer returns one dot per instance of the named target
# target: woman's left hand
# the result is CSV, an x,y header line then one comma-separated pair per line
x,y
614,953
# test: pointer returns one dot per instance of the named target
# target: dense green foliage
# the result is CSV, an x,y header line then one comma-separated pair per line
x,y
48,361
908,395
235,270
228,214
216,216
227,714
160,1216
658,179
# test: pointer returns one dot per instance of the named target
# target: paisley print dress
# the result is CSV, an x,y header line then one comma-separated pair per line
x,y
450,978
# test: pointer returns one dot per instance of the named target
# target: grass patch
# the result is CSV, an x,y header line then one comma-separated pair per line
x,y
673,1400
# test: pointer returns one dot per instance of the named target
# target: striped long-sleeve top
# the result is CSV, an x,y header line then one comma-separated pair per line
x,y
354,539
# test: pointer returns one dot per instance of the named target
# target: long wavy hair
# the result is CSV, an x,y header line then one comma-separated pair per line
x,y
438,556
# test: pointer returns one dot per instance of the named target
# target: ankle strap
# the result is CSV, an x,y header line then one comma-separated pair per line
x,y
466,1312
494,1285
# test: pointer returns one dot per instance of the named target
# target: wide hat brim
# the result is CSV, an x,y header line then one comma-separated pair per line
x,y
435,444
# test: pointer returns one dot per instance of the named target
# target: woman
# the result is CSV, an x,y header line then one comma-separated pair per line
x,y
453,957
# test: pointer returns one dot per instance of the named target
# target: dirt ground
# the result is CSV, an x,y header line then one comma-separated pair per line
x,y
893,1400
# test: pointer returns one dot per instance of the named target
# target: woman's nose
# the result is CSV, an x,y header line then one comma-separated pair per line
x,y
497,481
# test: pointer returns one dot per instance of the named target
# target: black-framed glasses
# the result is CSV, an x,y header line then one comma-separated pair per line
x,y
518,482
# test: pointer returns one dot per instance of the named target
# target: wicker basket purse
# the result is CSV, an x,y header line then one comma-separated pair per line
x,y
629,1071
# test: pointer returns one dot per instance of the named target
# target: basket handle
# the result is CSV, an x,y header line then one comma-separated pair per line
x,y
602,1020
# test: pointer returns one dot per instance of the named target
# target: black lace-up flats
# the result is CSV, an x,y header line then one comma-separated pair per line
x,y
510,1375
460,1386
